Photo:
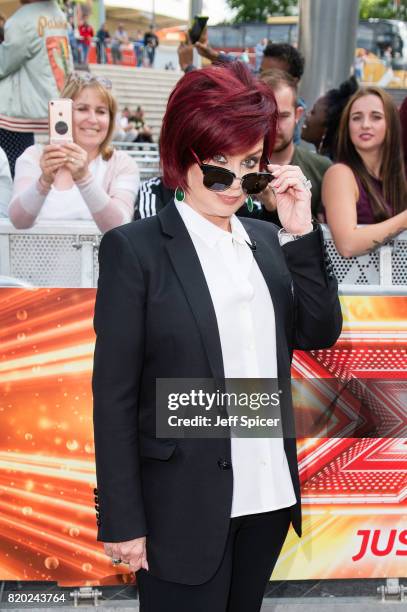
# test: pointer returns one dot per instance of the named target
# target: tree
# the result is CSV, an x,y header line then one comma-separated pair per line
x,y
383,9
259,10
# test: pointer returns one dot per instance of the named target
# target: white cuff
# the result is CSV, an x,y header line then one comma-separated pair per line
x,y
285,237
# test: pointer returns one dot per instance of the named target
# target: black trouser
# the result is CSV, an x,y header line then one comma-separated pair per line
x,y
252,548
14,144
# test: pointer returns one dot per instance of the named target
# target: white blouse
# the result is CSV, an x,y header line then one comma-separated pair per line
x,y
245,316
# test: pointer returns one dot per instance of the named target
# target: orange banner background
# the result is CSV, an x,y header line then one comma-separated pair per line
x,y
354,491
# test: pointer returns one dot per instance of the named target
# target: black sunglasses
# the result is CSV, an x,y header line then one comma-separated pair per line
x,y
217,178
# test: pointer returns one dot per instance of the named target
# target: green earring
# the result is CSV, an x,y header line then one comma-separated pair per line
x,y
249,203
179,194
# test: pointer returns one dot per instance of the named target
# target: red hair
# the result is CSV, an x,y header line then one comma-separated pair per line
x,y
218,109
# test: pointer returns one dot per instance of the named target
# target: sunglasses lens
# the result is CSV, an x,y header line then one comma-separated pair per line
x,y
217,179
256,182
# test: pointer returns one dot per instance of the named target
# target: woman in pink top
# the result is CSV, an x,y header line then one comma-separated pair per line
x,y
101,183
368,185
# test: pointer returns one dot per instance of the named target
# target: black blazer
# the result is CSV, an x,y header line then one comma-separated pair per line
x,y
154,318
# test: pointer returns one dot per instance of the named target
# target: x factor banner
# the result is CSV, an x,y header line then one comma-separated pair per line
x,y
354,488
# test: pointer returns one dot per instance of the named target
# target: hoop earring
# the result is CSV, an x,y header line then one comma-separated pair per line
x,y
179,194
321,143
249,203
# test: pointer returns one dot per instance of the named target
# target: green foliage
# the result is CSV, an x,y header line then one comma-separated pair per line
x,y
259,10
383,9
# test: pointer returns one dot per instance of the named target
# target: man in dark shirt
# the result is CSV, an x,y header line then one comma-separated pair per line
x,y
103,37
285,151
282,56
151,43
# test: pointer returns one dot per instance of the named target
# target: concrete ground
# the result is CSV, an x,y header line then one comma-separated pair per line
x,y
288,605
288,596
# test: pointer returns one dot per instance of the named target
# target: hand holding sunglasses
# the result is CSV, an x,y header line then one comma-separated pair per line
x,y
293,196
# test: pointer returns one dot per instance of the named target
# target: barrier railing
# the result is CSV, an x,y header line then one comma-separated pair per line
x,y
146,155
64,254
135,146
381,271
51,254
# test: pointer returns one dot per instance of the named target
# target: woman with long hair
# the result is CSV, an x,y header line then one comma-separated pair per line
x,y
83,180
195,293
320,127
368,184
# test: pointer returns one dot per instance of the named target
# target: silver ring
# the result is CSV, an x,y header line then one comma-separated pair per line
x,y
116,561
306,182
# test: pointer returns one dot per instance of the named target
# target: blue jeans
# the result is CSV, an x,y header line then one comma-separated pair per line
x,y
84,52
101,52
150,51
139,54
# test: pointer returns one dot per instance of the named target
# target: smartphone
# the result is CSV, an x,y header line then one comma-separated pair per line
x,y
197,28
60,121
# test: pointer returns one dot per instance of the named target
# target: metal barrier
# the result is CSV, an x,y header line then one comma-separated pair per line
x,y
381,271
146,155
64,254
51,254
136,146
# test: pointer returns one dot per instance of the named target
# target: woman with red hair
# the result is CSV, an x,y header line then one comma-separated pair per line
x,y
195,293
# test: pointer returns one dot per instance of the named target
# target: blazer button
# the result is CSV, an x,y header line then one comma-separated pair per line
x,y
95,491
98,522
224,464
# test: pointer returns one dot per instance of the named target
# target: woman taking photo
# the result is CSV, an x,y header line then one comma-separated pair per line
x,y
101,183
194,292
368,185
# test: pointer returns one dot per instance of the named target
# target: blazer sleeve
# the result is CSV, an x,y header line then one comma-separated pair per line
x,y
118,358
318,315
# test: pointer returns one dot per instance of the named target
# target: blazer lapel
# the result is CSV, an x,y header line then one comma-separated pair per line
x,y
188,268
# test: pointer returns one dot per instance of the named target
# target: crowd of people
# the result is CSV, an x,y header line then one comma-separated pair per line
x,y
82,36
349,144
132,127
346,143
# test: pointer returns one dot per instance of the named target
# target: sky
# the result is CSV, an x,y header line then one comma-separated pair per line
x,y
216,10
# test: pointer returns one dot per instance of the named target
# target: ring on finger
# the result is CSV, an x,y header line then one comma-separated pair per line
x,y
116,561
